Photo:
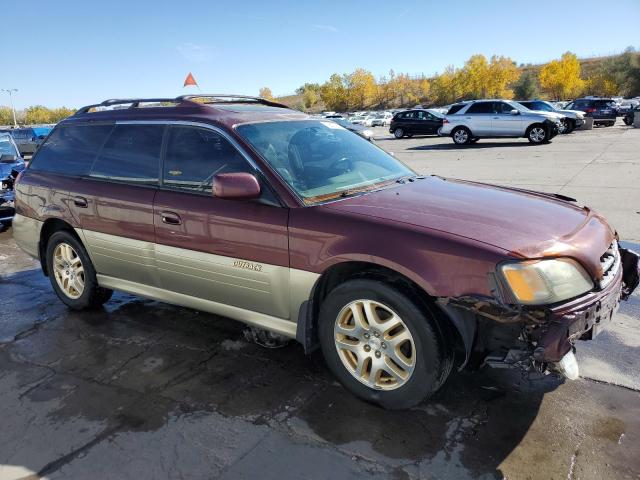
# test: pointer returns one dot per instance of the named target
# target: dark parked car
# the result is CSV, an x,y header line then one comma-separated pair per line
x,y
602,110
415,122
242,207
11,164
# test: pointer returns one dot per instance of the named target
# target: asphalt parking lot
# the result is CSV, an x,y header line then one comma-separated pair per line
x,y
145,390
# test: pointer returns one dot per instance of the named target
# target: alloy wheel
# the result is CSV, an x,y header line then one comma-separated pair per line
x,y
68,270
461,136
374,344
537,134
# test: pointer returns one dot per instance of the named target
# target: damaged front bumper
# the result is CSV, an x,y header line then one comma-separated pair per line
x,y
507,335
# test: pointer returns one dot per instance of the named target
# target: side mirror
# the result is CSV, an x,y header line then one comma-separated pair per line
x,y
236,186
515,112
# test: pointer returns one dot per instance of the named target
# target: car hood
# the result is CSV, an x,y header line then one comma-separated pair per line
x,y
523,223
549,115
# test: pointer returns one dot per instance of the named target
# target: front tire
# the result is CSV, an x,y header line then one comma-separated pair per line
x,y
72,274
398,133
381,345
537,134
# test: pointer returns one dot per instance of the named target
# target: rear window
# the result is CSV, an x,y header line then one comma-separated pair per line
x,y
131,154
455,108
70,149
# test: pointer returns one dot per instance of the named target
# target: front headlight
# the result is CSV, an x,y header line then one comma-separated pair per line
x,y
540,282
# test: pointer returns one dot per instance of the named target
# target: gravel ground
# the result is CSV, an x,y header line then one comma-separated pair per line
x,y
142,390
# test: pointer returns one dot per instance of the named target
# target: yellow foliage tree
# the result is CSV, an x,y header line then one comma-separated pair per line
x,y
561,78
448,87
503,73
602,85
265,92
37,114
362,89
334,93
6,116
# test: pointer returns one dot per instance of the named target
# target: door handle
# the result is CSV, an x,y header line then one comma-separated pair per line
x,y
171,218
80,202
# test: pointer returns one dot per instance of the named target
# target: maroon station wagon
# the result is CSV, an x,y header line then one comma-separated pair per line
x,y
244,208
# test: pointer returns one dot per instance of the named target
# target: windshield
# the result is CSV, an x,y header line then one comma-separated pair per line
x,y
6,147
321,160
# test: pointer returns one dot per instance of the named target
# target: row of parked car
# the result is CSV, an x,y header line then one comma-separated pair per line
x,y
537,120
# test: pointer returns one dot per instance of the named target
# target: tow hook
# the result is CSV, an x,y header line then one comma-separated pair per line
x,y
568,366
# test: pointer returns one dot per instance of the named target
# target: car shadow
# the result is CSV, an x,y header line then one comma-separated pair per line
x,y
473,146
160,362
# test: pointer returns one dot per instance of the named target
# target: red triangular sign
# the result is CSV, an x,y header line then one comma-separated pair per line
x,y
190,80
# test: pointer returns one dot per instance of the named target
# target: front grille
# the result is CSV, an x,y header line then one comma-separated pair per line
x,y
610,261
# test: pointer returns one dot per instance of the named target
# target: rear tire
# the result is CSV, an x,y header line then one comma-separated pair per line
x,y
461,136
398,133
72,275
391,353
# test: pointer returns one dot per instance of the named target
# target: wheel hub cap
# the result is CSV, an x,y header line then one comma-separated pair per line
x,y
374,344
68,270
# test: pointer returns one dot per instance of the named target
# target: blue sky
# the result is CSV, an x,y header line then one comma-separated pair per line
x,y
74,52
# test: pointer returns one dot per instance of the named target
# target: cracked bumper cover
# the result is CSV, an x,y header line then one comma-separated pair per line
x,y
553,329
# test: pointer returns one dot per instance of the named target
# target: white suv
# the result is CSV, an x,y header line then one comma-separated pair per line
x,y
467,122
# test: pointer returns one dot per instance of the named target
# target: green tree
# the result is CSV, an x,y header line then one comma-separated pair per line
x,y
526,87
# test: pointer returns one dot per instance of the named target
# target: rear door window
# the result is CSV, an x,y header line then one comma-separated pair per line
x,y
131,155
70,149
481,107
194,155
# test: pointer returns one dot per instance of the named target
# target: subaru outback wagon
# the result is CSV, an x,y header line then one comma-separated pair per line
x,y
242,207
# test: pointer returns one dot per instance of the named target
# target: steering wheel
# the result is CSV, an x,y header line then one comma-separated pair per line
x,y
345,161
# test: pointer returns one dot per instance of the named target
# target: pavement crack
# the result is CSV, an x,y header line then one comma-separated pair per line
x,y
604,382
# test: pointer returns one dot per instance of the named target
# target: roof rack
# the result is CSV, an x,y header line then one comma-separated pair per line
x,y
211,98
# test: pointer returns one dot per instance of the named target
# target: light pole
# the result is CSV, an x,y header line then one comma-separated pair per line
x,y
10,91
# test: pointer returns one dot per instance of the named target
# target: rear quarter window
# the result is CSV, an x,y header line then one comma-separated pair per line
x,y
70,149
455,108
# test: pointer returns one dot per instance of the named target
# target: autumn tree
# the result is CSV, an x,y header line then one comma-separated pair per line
x,y
503,72
561,78
6,116
61,113
334,93
265,92
37,114
361,87
447,87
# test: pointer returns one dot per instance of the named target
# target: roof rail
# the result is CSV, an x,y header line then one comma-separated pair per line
x,y
135,102
213,98
223,97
